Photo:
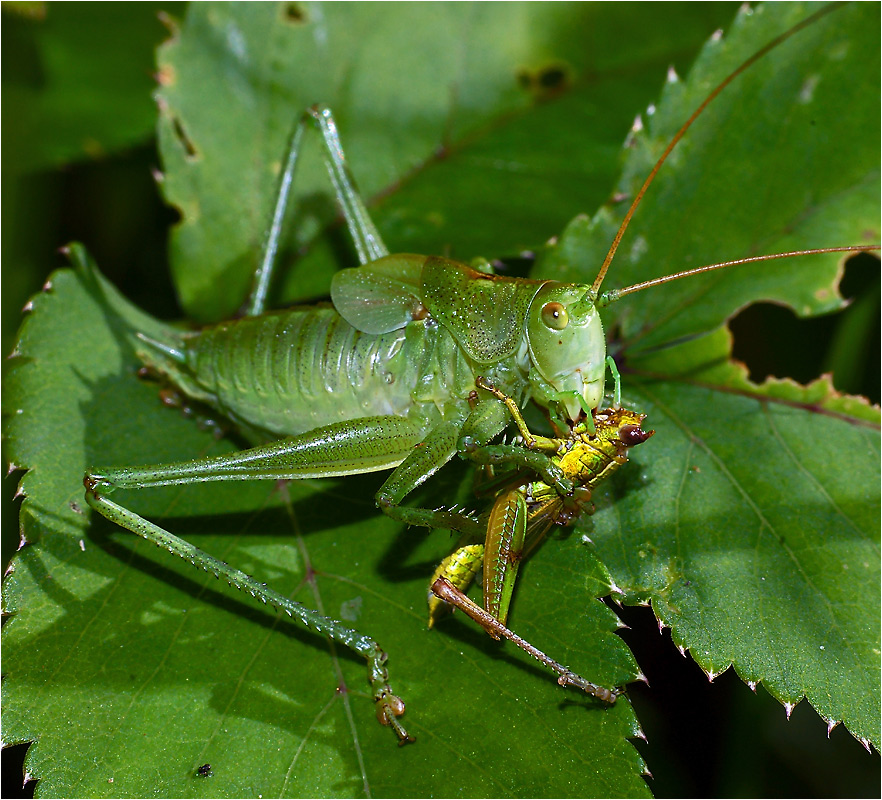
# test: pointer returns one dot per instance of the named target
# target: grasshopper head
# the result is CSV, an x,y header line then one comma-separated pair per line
x,y
567,348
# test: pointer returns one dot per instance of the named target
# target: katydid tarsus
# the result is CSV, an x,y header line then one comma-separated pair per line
x,y
398,361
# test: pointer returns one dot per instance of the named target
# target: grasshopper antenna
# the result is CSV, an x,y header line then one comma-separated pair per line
x,y
598,281
617,294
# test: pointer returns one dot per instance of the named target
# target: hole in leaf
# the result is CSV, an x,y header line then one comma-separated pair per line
x,y
771,340
547,81
294,13
184,139
552,78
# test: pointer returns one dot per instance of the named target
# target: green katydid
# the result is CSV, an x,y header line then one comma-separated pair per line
x,y
430,324
390,332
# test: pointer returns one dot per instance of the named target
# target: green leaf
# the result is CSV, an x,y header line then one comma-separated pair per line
x,y
172,670
781,577
130,670
754,531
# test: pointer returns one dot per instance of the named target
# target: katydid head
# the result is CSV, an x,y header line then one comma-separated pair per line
x,y
567,348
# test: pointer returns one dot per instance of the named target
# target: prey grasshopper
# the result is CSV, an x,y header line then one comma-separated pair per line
x,y
524,511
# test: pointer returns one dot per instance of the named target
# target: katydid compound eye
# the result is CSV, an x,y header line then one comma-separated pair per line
x,y
555,316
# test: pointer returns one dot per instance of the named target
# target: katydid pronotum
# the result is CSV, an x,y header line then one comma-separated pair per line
x,y
469,325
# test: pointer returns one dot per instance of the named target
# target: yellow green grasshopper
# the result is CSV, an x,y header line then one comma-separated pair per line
x,y
400,353
522,513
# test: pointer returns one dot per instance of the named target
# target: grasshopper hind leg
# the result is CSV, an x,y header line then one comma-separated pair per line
x,y
368,243
445,590
389,706
335,449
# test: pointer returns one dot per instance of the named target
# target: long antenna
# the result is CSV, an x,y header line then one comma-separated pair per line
x,y
598,281
617,294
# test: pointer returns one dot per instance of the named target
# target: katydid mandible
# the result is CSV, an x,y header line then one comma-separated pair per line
x,y
399,355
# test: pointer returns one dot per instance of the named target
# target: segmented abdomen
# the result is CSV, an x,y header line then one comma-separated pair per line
x,y
291,371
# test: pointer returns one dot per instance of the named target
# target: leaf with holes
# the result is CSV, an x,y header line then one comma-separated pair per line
x,y
755,530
